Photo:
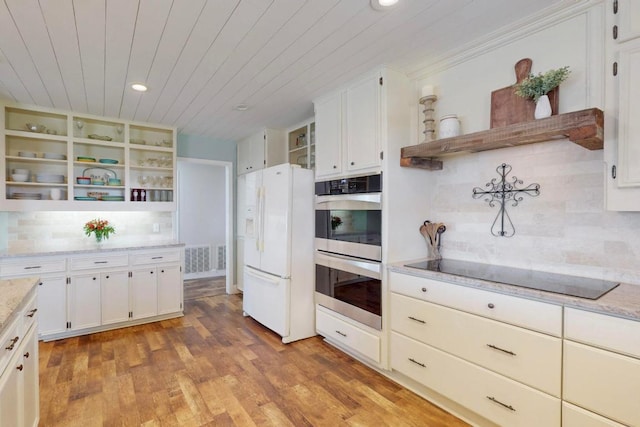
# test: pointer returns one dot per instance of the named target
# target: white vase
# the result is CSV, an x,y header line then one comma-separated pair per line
x,y
449,126
543,108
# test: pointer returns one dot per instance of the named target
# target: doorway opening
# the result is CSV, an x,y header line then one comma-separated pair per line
x,y
205,222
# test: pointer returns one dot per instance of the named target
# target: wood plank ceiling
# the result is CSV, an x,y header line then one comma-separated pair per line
x,y
201,58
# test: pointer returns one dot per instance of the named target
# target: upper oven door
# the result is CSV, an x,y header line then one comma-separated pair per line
x,y
350,225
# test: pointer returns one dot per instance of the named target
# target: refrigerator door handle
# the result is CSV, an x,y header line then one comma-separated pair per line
x,y
257,218
263,276
263,196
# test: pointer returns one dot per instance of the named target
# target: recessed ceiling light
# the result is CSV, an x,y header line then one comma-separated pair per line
x,y
139,87
241,107
383,4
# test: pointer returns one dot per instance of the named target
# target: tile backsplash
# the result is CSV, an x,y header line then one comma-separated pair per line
x,y
25,232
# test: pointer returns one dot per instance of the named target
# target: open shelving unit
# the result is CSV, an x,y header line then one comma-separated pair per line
x,y
585,128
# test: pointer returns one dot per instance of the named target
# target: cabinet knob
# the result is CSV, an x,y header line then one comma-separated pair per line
x,y
94,278
161,271
26,355
107,277
20,367
490,305
424,289
353,163
40,284
151,272
335,167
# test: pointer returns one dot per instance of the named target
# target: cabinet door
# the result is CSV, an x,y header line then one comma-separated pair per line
x,y
114,288
31,407
144,293
629,108
257,153
362,105
52,305
628,20
169,289
329,136
84,298
10,394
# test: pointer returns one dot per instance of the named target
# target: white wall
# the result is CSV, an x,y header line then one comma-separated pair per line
x,y
566,228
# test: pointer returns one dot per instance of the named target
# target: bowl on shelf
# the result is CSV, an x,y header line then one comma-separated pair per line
x,y
85,180
108,161
34,127
114,181
50,178
86,159
21,171
26,154
20,177
54,156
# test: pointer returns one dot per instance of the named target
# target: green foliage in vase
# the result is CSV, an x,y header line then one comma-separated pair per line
x,y
535,86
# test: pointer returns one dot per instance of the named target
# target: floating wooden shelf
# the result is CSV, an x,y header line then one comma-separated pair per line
x,y
585,128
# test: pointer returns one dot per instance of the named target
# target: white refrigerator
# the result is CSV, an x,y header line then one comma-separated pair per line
x,y
279,270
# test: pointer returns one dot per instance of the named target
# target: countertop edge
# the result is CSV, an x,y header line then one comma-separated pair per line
x,y
14,293
88,250
622,301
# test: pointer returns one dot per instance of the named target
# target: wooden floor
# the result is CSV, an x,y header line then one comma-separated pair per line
x,y
207,287
214,367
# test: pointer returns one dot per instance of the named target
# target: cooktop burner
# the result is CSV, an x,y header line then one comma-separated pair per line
x,y
558,283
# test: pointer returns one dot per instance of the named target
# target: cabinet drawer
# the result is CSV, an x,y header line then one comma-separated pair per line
x,y
32,266
499,399
98,261
535,315
529,357
155,257
30,313
572,416
10,341
600,330
347,334
603,382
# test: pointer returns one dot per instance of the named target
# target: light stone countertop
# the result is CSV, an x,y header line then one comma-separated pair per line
x,y
93,248
13,293
623,301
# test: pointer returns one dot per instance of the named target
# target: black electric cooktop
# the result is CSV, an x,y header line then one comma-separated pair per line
x,y
551,282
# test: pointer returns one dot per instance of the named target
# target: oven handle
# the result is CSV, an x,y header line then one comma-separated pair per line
x,y
366,201
351,265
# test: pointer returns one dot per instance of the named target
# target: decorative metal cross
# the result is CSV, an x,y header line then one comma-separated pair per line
x,y
501,192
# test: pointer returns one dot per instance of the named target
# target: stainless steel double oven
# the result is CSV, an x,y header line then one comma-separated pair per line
x,y
349,247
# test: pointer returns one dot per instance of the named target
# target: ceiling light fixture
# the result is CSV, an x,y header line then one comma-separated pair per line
x,y
138,87
241,107
383,4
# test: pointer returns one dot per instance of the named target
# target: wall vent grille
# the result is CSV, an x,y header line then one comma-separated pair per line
x,y
221,261
197,259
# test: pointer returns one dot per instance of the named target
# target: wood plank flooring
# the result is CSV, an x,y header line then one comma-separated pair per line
x,y
214,367
207,287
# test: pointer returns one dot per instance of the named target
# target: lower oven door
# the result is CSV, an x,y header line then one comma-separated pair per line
x,y
351,287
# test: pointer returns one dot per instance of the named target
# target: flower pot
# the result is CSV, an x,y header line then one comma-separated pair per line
x,y
543,108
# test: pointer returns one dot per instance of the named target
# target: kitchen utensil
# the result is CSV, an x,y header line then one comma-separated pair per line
x,y
56,194
99,137
21,171
26,154
84,198
113,198
49,178
86,159
54,156
114,181
34,127
108,161
85,180
26,196
508,108
20,177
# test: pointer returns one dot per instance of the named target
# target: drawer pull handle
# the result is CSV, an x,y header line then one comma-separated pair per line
x,y
13,343
501,349
417,363
32,312
493,399
157,257
490,305
341,333
20,367
100,262
33,267
417,320
424,289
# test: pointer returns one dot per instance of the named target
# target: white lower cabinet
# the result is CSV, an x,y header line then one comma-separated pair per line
x,y
19,381
573,416
602,365
52,305
346,334
103,290
144,293
114,297
85,306
493,396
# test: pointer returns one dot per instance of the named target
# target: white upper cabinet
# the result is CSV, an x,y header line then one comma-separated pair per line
x,y
627,23
56,160
622,129
348,127
263,149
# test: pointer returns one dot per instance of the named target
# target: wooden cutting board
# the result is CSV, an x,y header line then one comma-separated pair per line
x,y
508,108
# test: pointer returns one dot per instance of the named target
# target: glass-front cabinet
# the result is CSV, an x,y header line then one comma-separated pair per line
x,y
302,145
57,160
